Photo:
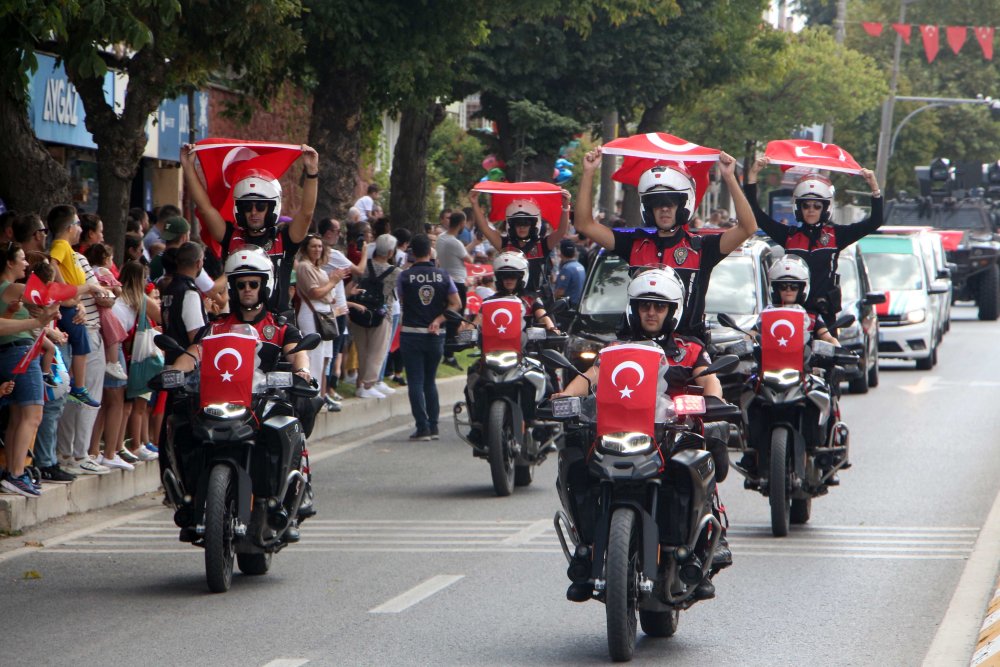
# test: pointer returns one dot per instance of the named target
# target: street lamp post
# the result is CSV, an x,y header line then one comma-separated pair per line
x,y
882,161
934,103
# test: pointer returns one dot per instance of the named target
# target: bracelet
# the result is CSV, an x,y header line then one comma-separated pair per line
x,y
316,175
876,193
567,208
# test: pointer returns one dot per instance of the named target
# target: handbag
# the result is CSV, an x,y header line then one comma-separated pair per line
x,y
326,326
147,359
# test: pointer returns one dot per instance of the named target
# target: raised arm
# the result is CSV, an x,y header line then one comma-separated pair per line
x,y
584,218
211,217
746,224
777,231
299,226
848,234
552,240
490,234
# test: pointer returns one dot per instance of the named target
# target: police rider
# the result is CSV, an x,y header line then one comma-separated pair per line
x,y
511,269
655,307
667,202
789,281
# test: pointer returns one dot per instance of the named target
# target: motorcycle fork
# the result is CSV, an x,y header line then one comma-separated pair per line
x,y
649,547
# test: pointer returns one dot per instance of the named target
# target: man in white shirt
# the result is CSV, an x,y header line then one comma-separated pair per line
x,y
451,256
367,204
330,231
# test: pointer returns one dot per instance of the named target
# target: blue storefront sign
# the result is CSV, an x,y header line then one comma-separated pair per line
x,y
172,123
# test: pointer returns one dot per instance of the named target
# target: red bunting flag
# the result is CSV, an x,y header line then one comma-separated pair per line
x,y
227,365
873,29
547,196
501,324
929,34
956,37
224,161
627,387
985,37
904,30
33,351
633,168
812,154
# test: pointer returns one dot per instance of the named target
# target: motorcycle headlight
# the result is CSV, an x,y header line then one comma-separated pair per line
x,y
625,443
501,361
225,410
915,316
784,378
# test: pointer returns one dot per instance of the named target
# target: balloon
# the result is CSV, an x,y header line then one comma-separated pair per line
x,y
563,163
563,176
484,179
496,174
490,162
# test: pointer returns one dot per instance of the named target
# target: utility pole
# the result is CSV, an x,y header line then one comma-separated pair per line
x,y
841,32
888,106
609,130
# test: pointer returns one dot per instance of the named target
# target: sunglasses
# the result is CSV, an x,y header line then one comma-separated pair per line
x,y
247,206
247,284
523,222
785,287
656,306
815,205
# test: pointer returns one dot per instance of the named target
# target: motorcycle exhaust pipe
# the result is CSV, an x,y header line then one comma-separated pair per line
x,y
278,521
691,571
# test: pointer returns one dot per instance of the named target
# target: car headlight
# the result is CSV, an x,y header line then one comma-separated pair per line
x,y
625,443
915,316
501,361
784,378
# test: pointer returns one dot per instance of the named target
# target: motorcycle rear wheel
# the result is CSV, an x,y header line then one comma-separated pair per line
x,y
499,438
220,515
622,596
254,564
778,483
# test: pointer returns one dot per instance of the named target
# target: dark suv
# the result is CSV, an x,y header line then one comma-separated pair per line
x,y
858,299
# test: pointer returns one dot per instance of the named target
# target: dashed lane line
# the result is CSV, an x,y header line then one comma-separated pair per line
x,y
417,594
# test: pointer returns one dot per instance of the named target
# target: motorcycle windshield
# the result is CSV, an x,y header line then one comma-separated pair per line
x,y
627,388
227,368
502,323
783,334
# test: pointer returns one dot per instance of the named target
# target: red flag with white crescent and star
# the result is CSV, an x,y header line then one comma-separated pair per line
x,y
40,294
813,154
227,364
782,338
501,325
223,161
33,351
627,387
547,196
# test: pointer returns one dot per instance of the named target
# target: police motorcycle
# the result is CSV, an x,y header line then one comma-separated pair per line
x,y
236,469
637,484
499,417
795,440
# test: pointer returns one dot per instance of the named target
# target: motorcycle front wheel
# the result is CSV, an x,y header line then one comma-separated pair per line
x,y
499,439
254,564
220,515
778,483
622,575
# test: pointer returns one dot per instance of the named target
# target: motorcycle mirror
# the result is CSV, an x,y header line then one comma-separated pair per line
x,y
309,342
727,363
557,359
725,320
844,320
167,344
559,307
874,298
454,316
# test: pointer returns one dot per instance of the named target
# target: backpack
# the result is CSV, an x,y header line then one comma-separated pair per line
x,y
373,299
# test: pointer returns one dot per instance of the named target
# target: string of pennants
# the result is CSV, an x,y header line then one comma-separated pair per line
x,y
931,36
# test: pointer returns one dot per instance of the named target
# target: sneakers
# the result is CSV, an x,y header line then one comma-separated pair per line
x,y
337,397
143,454
127,456
70,465
90,466
451,361
82,396
20,485
423,436
56,474
116,371
399,379
50,380
332,404
116,463
434,433
372,392
382,387
151,447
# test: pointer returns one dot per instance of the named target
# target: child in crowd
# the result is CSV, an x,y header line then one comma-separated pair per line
x,y
47,274
100,257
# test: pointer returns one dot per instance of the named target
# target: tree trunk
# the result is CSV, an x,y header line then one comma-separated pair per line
x,y
335,132
408,184
31,180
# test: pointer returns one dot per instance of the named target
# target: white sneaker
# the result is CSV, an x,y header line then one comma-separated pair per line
x,y
117,462
90,466
145,455
116,371
368,393
382,387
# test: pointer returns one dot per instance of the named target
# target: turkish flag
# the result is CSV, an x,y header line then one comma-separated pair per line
x,y
929,33
627,387
33,351
473,303
783,338
813,154
473,269
224,161
633,168
984,35
873,29
40,294
956,37
501,325
547,196
661,146
903,29
227,364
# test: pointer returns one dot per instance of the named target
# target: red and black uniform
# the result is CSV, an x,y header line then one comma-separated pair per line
x,y
536,251
691,256
684,354
274,334
279,246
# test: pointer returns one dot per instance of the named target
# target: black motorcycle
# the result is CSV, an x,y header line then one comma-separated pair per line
x,y
237,475
638,528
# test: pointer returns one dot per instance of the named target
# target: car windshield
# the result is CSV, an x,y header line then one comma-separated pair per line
x,y
894,271
732,289
959,217
606,289
848,271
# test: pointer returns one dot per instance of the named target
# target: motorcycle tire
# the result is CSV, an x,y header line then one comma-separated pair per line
x,y
220,514
499,437
801,510
524,475
254,564
778,485
659,623
622,593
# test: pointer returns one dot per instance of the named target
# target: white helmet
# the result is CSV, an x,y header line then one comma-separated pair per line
x,y
249,261
508,263
813,187
659,284
523,209
663,184
789,269
256,185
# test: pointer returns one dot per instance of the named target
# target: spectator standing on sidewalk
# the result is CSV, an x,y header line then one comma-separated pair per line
x,y
372,342
569,282
451,256
332,232
425,292
316,289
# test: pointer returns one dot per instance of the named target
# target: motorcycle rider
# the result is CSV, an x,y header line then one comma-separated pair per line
x,y
667,203
789,281
817,240
655,308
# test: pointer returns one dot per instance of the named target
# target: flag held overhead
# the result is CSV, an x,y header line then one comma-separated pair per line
x,y
547,196
811,154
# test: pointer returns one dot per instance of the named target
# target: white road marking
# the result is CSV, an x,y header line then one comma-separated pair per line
x,y
417,594
924,385
287,662
528,533
340,449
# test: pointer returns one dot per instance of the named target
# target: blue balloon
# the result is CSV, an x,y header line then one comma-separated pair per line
x,y
563,176
563,163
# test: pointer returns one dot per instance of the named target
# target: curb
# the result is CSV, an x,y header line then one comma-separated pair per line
x,y
988,645
91,492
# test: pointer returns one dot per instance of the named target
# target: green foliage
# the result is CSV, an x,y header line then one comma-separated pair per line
x,y
817,12
454,161
537,130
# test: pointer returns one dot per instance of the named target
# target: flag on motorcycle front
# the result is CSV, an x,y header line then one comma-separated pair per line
x,y
227,365
501,325
627,387
811,154
783,338
547,196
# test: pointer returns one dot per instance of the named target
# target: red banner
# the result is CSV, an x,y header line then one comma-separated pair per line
x,y
227,365
904,30
661,146
984,35
873,29
501,324
634,167
627,388
929,33
956,37
813,154
223,161
782,338
547,196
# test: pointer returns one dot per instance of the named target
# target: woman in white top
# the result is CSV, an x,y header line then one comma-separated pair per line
x,y
316,290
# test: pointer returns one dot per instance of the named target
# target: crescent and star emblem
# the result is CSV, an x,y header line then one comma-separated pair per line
x,y
824,238
502,328
783,323
35,297
627,392
802,151
224,352
235,155
660,142
680,255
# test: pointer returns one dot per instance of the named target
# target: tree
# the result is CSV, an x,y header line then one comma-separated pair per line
x,y
457,158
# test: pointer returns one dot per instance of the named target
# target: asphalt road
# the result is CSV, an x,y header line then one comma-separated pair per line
x,y
414,561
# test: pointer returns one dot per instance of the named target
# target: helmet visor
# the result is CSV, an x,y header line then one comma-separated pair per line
x,y
787,285
247,205
523,221
653,200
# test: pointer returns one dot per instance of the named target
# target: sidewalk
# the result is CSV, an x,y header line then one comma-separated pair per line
x,y
90,492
